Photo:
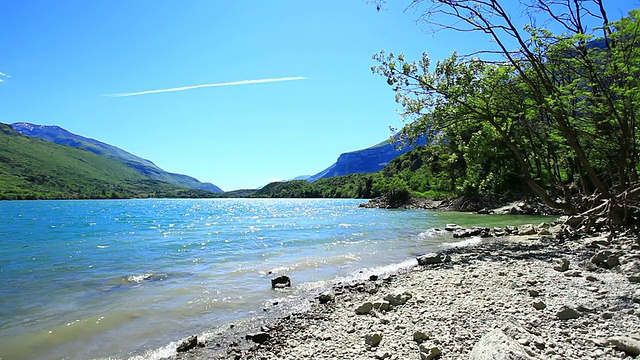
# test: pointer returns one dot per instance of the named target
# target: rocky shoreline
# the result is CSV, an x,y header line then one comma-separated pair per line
x,y
538,292
523,206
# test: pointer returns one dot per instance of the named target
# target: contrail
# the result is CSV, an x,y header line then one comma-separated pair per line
x,y
190,87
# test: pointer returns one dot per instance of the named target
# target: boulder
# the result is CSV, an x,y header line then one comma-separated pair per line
x,y
187,344
465,233
568,313
539,305
452,227
572,273
381,305
544,232
596,242
259,337
365,308
429,352
373,340
605,259
561,265
626,344
632,270
497,345
429,259
636,297
515,211
526,230
327,296
280,282
420,336
399,297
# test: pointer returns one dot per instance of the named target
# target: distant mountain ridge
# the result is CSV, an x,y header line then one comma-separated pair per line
x,y
58,135
32,168
369,160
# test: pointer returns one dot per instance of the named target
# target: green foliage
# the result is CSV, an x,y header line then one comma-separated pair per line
x,y
35,169
559,114
436,171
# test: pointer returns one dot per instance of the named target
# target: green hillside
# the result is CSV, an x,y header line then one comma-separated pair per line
x,y
31,168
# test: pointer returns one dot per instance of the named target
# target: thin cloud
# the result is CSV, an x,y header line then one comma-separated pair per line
x,y
191,87
5,75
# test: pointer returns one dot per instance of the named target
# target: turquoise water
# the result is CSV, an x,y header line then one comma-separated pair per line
x,y
124,278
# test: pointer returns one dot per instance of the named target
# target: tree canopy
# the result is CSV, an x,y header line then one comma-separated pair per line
x,y
564,105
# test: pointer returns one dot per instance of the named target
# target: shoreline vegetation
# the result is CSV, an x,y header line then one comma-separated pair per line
x,y
548,291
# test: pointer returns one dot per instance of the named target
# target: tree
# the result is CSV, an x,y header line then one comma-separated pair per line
x,y
566,105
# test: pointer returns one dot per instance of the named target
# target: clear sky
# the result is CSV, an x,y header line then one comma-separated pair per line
x,y
91,68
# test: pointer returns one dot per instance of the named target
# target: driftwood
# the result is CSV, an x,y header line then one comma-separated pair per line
x,y
619,210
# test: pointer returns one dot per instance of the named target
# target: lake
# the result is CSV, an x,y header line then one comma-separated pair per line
x,y
127,278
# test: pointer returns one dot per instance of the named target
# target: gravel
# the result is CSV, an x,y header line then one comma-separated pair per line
x,y
511,286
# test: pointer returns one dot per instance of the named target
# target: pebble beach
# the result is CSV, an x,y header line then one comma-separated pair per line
x,y
536,296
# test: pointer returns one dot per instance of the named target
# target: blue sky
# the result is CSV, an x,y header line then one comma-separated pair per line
x,y
65,60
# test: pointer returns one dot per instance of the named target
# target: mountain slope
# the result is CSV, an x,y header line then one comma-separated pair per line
x,y
58,135
32,168
369,160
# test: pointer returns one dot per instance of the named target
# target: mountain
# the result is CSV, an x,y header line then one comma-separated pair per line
x,y
31,168
58,135
369,160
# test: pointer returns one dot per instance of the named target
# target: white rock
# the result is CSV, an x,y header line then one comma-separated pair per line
x,y
496,345
626,344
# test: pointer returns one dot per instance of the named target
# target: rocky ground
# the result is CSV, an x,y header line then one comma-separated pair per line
x,y
543,295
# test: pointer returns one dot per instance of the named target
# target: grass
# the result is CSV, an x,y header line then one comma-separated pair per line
x,y
31,168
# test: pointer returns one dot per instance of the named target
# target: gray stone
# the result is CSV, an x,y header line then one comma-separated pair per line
x,y
327,296
420,336
497,345
187,344
452,227
373,340
572,273
399,297
596,242
636,297
465,233
533,293
632,270
561,265
365,308
626,344
259,337
539,305
606,315
429,352
605,259
381,305
544,232
281,282
526,230
429,259
568,313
